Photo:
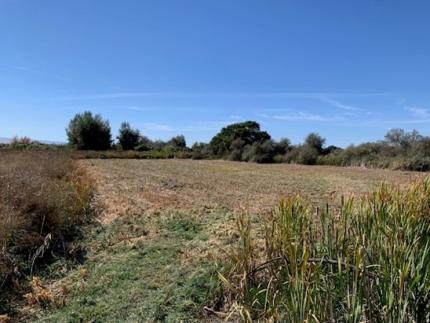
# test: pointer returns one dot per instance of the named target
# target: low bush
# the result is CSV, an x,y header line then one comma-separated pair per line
x,y
367,261
44,197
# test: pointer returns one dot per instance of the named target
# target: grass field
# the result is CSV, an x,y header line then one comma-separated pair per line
x,y
165,228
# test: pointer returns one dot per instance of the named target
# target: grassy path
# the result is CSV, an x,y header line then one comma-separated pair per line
x,y
136,279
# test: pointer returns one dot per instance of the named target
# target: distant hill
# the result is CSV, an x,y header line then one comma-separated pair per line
x,y
5,140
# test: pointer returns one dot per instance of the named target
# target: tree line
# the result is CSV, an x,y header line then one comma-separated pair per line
x,y
247,142
244,141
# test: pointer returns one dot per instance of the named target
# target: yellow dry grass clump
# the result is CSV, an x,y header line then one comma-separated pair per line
x,y
39,294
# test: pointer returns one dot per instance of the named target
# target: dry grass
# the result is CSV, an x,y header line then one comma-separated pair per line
x,y
43,197
127,186
213,192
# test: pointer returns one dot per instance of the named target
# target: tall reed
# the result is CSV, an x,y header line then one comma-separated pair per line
x,y
367,261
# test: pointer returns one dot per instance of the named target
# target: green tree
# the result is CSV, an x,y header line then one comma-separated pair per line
x,y
88,132
283,146
248,132
395,136
178,142
128,138
315,141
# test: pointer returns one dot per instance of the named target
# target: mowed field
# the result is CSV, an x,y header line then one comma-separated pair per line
x,y
126,186
165,228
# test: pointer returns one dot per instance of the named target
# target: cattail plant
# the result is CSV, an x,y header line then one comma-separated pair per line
x,y
365,261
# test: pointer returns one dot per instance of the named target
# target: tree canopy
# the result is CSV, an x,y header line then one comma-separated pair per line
x,y
248,133
88,132
128,137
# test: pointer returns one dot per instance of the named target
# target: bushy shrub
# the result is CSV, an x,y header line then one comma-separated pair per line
x,y
236,155
200,150
88,132
293,155
334,158
144,144
283,146
262,152
416,163
44,196
178,142
307,155
279,159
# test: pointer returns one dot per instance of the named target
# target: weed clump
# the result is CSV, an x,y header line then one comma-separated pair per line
x,y
44,197
366,261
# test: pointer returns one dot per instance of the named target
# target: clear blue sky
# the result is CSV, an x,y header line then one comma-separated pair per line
x,y
349,70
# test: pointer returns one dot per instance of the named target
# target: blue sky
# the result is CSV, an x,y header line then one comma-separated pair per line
x,y
349,70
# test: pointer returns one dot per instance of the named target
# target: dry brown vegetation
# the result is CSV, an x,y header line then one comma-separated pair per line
x,y
126,186
43,197
214,192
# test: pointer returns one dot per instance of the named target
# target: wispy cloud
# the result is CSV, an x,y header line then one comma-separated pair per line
x,y
321,96
140,109
301,116
28,70
419,112
418,115
157,127
199,126
339,105
398,122
115,95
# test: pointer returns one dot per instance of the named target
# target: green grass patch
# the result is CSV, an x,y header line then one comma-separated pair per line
x,y
184,228
138,281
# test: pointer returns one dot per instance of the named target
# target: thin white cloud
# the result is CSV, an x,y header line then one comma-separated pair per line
x,y
140,109
28,70
116,95
200,126
157,127
340,105
419,115
321,96
419,112
301,116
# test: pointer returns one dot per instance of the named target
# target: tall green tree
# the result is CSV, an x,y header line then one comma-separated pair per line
x,y
128,137
89,132
314,140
